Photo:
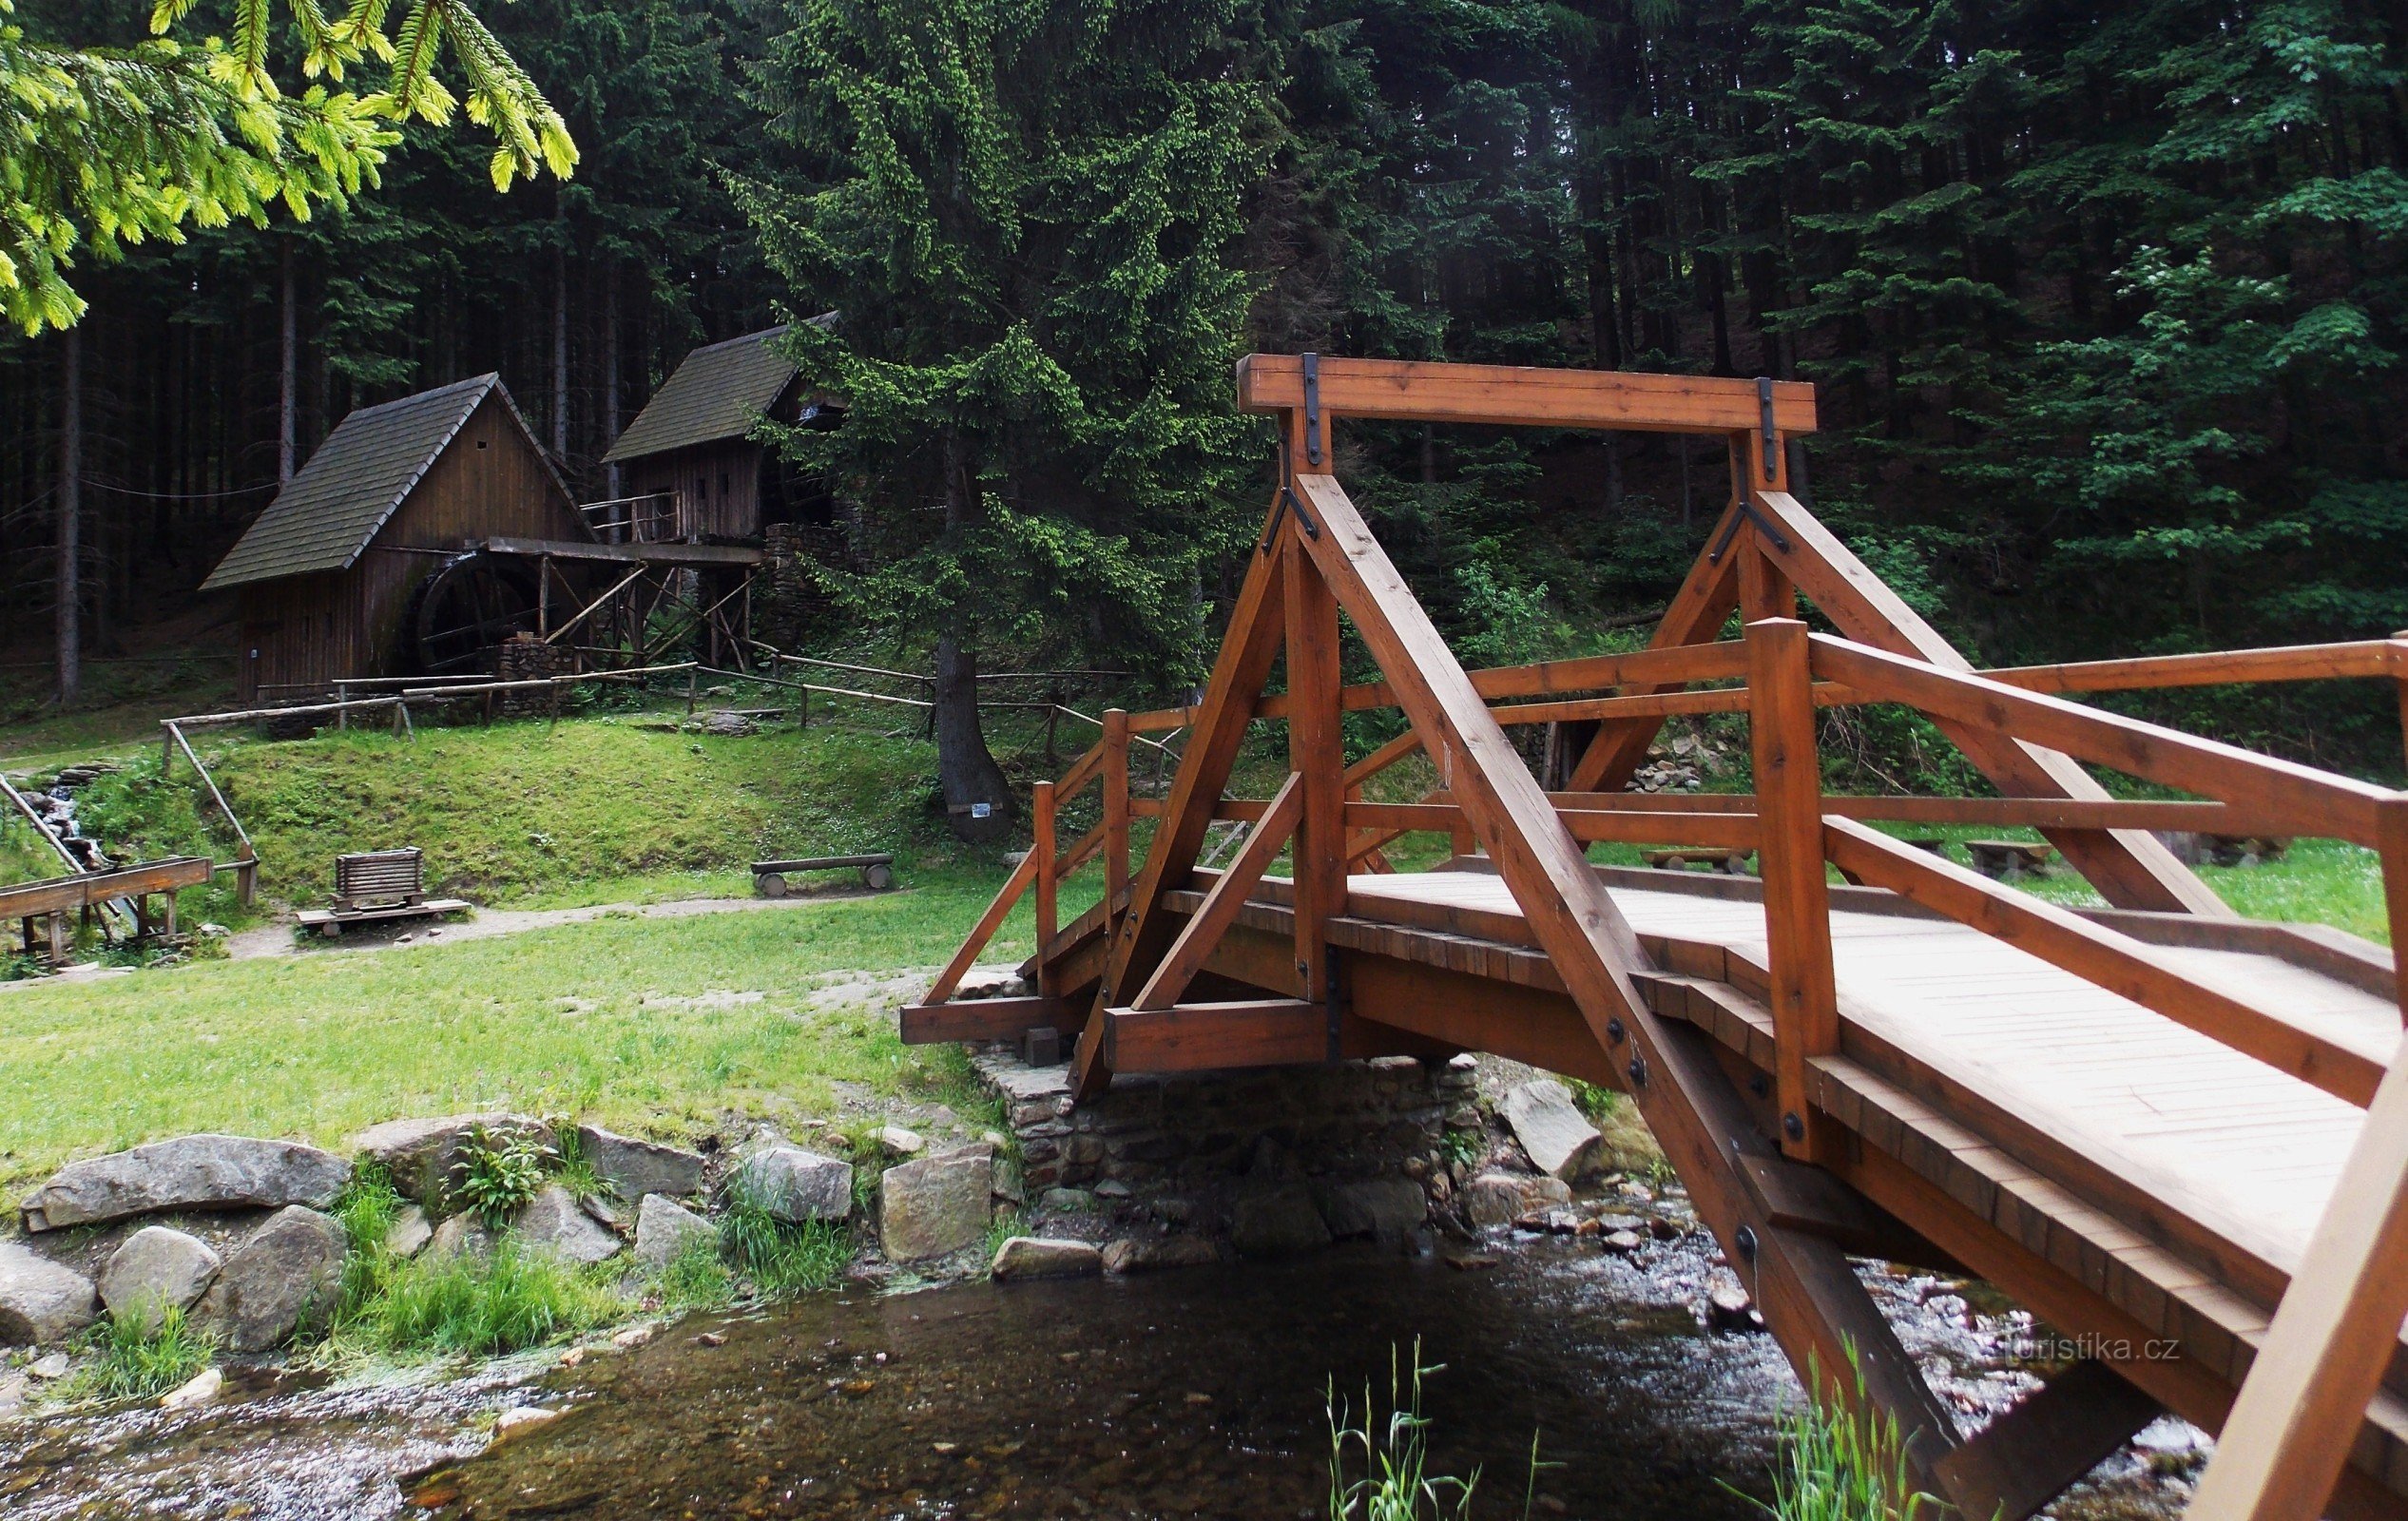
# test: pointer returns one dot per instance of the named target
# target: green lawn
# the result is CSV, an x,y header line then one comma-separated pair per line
x,y
636,1023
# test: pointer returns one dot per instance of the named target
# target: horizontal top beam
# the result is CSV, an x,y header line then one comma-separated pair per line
x,y
1415,390
630,553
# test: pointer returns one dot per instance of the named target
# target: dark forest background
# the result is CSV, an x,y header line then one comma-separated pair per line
x,y
2107,302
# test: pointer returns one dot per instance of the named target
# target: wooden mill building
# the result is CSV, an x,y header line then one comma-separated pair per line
x,y
689,467
326,575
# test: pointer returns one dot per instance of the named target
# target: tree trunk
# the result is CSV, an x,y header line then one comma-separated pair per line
x,y
560,356
965,770
611,486
68,616
288,391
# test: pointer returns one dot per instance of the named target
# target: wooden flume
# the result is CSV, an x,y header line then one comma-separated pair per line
x,y
2180,1137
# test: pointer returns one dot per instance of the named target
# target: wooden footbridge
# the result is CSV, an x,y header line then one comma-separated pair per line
x,y
2179,1137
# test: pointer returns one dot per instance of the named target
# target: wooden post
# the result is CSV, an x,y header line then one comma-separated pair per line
x,y
1041,818
1317,755
167,747
2400,677
1805,1000
247,882
1115,809
691,679
342,705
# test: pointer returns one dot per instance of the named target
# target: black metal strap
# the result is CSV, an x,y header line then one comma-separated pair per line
x,y
1763,525
1764,420
1289,502
1313,408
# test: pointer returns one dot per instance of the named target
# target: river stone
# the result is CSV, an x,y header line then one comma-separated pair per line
x,y
1386,1209
1137,1255
663,1226
192,1172
634,1168
155,1271
1558,1137
280,1280
421,1156
409,1233
794,1184
200,1389
554,1221
1279,1222
1501,1198
463,1232
936,1205
895,1140
1025,1257
41,1300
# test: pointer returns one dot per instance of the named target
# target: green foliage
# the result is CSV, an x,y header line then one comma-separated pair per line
x,y
479,1306
498,1172
136,1361
780,1258
1395,1483
1026,221
1841,1462
108,146
1463,1148
695,1277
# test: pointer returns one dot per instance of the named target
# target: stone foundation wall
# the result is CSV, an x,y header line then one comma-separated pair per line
x,y
1356,1120
526,658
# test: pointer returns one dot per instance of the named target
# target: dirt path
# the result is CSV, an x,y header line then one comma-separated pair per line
x,y
278,940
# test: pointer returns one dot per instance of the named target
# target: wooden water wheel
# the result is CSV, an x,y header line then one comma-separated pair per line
x,y
471,603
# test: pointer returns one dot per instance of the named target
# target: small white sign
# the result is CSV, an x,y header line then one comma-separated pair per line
x,y
980,810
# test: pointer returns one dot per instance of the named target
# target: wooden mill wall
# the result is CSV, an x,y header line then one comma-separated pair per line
x,y
315,629
721,483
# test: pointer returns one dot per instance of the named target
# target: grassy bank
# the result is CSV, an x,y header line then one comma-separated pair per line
x,y
666,1024
532,814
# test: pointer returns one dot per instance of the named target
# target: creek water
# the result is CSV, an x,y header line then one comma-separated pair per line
x,y
1199,1393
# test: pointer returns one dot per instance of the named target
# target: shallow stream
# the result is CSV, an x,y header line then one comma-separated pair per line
x,y
1189,1393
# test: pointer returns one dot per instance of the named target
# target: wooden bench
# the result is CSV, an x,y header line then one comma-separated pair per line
x,y
375,885
1713,858
2009,859
876,869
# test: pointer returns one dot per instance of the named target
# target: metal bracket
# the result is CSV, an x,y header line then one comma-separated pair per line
x,y
1289,502
1313,407
1763,526
1764,414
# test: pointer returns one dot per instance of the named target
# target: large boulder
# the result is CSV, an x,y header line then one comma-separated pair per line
x,y
1386,1209
280,1280
462,1234
423,1156
1501,1198
1561,1142
41,1300
1027,1256
1279,1221
633,1167
1132,1253
792,1184
936,1205
663,1226
554,1221
192,1172
409,1232
155,1271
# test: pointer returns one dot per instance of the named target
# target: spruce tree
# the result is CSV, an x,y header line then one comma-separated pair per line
x,y
1022,214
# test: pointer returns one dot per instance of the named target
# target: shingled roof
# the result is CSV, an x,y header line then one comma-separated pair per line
x,y
714,393
330,512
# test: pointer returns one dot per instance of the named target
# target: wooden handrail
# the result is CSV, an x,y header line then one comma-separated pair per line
x,y
2280,662
2307,800
984,931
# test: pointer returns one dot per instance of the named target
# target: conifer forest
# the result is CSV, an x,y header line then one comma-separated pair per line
x,y
2107,305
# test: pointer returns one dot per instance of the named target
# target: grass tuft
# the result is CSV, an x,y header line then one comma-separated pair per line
x,y
479,1306
136,1362
696,1277
780,1258
1840,1463
1396,1483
